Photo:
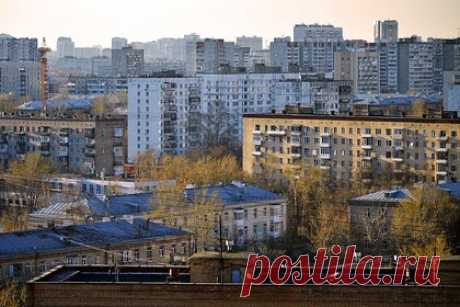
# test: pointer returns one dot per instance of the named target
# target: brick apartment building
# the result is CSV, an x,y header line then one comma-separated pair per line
x,y
347,146
80,143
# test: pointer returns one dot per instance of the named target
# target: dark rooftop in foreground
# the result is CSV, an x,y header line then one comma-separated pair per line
x,y
52,239
123,274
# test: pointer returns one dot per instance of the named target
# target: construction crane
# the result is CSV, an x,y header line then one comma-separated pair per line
x,y
43,50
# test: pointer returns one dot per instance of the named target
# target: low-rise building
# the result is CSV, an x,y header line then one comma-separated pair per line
x,y
248,214
371,218
65,211
30,253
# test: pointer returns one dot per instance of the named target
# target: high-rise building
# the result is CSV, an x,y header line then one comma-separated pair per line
x,y
18,49
22,79
191,41
388,65
451,101
318,56
210,55
119,42
285,54
415,67
317,33
65,47
386,31
446,57
174,115
127,62
362,67
306,56
169,115
255,43
87,52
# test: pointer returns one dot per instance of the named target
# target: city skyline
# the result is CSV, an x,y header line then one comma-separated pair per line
x,y
148,21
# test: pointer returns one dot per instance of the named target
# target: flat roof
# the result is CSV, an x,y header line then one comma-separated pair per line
x,y
369,118
119,274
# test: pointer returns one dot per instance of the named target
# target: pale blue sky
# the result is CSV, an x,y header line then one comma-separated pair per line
x,y
91,22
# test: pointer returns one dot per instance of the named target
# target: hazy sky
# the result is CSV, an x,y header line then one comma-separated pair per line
x,y
91,22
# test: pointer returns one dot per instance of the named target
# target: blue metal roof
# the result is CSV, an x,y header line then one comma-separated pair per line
x,y
406,100
100,234
386,196
453,188
117,205
35,105
234,194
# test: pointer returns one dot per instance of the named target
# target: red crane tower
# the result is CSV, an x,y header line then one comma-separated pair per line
x,y
43,50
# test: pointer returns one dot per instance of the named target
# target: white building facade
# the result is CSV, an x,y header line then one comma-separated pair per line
x,y
169,115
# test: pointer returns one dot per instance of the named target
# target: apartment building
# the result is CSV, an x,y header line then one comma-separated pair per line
x,y
362,67
415,67
22,79
255,43
14,49
86,144
388,67
127,62
323,96
173,115
96,85
285,54
65,47
317,32
353,146
26,254
386,31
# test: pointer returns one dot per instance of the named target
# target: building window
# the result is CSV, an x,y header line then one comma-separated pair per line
x,y
162,251
83,260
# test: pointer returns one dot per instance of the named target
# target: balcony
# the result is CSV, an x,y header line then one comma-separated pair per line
x,y
443,138
325,134
276,234
325,167
276,219
63,140
325,156
90,142
441,173
441,161
441,149
239,223
296,133
257,153
366,146
398,159
257,132
277,132
297,155
90,152
295,141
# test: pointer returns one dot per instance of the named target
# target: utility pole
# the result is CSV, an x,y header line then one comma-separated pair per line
x,y
221,256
